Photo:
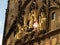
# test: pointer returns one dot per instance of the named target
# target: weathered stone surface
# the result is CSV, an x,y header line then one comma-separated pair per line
x,y
13,14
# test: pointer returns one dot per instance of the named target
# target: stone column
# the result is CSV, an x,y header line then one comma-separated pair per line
x,y
35,43
54,41
25,20
42,42
40,25
58,41
47,42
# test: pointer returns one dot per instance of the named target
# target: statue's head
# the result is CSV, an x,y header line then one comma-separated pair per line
x,y
42,14
19,26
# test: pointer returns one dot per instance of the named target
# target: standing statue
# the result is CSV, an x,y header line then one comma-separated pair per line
x,y
42,21
31,22
33,18
25,20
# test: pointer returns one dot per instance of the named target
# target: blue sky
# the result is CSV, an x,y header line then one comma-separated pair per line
x,y
3,6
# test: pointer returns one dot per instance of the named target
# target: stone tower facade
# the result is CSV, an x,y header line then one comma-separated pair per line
x,y
32,22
